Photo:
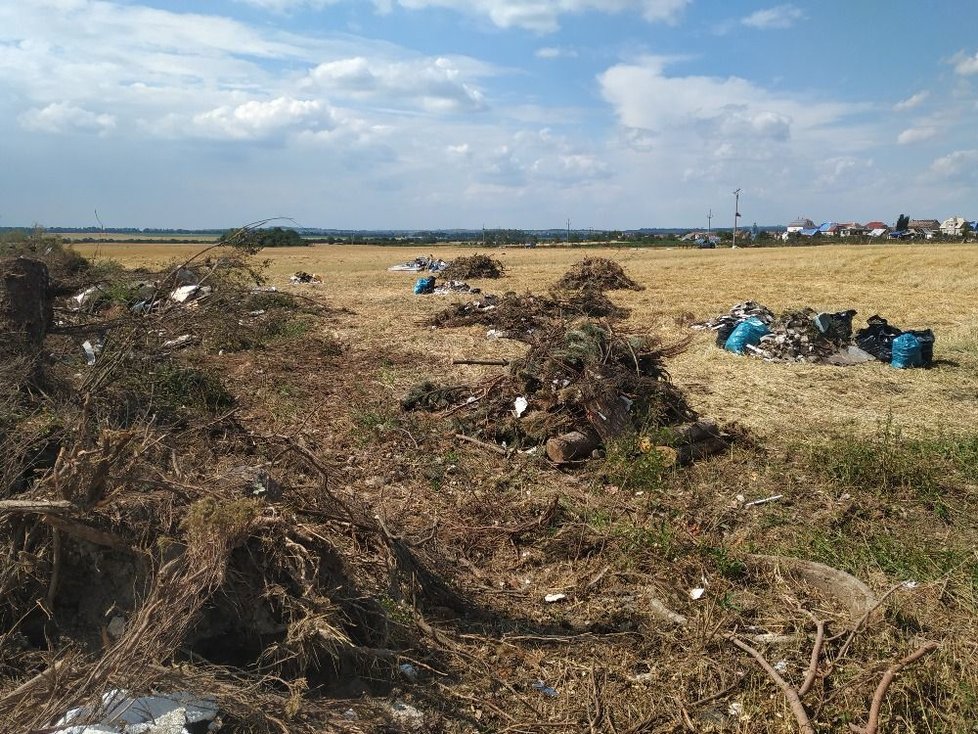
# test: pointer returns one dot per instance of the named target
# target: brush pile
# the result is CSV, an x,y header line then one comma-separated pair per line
x,y
473,266
153,544
520,316
582,384
597,273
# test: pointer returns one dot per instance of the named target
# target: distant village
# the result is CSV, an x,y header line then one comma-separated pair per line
x,y
803,229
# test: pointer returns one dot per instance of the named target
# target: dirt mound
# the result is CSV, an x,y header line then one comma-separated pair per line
x,y
597,273
473,266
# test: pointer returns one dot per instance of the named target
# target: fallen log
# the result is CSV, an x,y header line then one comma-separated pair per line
x,y
36,507
572,446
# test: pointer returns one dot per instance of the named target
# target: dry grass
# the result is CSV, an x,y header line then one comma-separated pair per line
x,y
621,538
914,287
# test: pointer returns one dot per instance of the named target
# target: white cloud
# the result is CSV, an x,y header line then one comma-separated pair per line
x,y
846,170
780,16
912,102
63,117
543,16
553,52
959,164
965,64
257,119
435,84
916,135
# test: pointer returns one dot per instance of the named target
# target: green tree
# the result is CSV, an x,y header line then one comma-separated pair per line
x,y
902,223
966,230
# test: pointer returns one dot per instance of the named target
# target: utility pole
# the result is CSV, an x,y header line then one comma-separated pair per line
x,y
709,224
736,214
568,230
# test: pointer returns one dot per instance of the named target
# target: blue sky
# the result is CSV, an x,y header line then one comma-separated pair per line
x,y
415,114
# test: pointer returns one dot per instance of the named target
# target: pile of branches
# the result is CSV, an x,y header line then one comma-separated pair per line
x,y
597,273
519,316
152,542
473,266
581,385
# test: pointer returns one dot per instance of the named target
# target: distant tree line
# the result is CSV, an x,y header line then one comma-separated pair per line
x,y
265,237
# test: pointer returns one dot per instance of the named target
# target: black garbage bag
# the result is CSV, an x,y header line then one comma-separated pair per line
x,y
724,332
877,338
836,326
926,339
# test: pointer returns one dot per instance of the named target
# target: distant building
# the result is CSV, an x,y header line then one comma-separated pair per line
x,y
799,224
852,229
828,229
952,226
876,225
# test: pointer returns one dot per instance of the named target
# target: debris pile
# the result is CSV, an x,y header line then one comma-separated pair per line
x,y
420,265
474,266
454,286
160,554
580,386
519,316
303,277
808,336
597,273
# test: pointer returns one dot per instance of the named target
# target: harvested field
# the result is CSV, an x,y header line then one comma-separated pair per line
x,y
464,589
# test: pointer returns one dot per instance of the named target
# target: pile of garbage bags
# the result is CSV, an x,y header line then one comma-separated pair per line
x,y
818,337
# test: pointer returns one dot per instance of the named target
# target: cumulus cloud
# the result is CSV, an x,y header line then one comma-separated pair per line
x,y
965,64
63,117
543,16
780,16
732,109
916,135
435,84
257,119
959,164
912,102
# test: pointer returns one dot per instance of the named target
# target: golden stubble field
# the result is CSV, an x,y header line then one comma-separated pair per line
x,y
914,287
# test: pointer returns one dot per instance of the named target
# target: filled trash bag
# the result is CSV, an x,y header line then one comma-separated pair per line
x,y
747,333
423,286
836,326
906,352
877,338
926,339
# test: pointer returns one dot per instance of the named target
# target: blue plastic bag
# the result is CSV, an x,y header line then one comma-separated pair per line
x,y
748,332
906,352
423,286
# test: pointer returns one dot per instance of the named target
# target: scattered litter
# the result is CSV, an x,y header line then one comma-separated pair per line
x,y
303,277
123,714
554,598
189,293
736,708
406,715
746,334
408,671
906,352
91,351
495,334
781,666
697,593
520,405
454,286
180,342
420,265
350,715
911,584
754,503
85,297
116,627
545,689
